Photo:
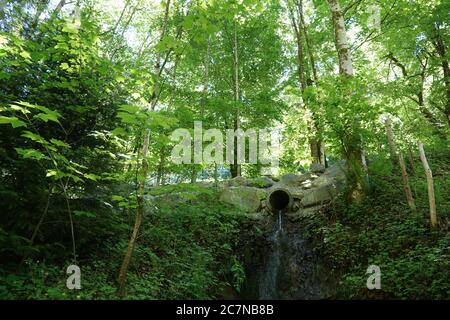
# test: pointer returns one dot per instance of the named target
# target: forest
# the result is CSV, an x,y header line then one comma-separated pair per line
x,y
224,149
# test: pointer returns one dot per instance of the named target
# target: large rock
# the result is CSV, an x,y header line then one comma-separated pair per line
x,y
261,182
247,199
317,168
291,179
237,181
318,196
331,176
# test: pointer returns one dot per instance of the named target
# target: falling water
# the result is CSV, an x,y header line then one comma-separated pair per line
x,y
268,288
289,268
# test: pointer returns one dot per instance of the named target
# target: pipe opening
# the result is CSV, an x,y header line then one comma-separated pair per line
x,y
280,200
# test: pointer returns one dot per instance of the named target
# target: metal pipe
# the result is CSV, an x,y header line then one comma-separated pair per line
x,y
280,199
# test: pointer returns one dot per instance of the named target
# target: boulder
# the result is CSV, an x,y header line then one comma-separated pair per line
x,y
237,181
261,182
247,199
323,180
317,168
291,179
318,196
303,213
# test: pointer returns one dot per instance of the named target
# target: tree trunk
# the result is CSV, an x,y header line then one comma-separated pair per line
x,y
38,226
143,175
205,80
352,145
216,179
138,218
431,198
194,174
310,50
160,170
341,41
410,161
406,187
315,144
391,142
442,52
236,171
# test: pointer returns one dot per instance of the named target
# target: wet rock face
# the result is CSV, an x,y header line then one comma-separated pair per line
x,y
280,264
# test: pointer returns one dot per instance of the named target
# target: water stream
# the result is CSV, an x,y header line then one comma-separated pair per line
x,y
268,288
289,269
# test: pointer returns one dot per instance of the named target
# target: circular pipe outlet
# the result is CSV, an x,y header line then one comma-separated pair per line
x,y
280,200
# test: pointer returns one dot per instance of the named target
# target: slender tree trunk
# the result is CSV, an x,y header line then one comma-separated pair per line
x,y
58,8
315,144
236,171
160,170
216,178
410,161
69,211
138,218
205,80
391,142
310,50
194,174
38,226
406,187
442,52
143,174
431,198
159,65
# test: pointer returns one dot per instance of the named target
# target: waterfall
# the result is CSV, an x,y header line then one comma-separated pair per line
x,y
268,286
289,269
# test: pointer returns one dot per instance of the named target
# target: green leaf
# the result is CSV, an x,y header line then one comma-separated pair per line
x,y
19,108
15,122
30,153
91,176
35,137
25,55
46,117
130,108
70,28
117,198
59,143
119,132
128,118
51,173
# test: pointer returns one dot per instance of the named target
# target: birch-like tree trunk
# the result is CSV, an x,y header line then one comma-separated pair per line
x,y
341,41
353,146
431,198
